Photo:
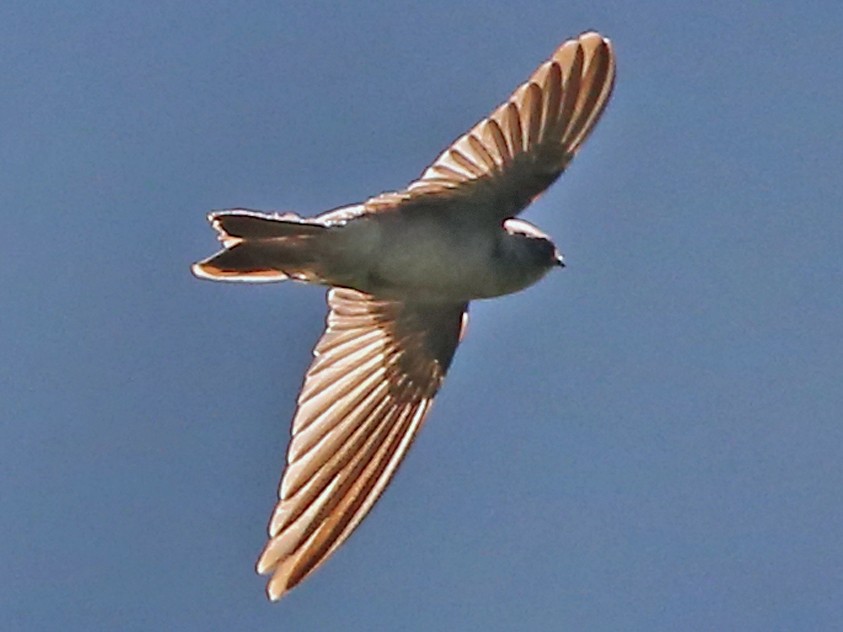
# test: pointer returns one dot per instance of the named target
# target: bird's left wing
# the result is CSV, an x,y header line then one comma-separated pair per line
x,y
501,164
375,372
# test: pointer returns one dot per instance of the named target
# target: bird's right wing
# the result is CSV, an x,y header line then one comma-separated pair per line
x,y
376,370
510,157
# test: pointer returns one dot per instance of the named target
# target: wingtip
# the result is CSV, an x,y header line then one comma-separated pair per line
x,y
595,39
266,565
592,34
263,566
591,40
277,585
273,593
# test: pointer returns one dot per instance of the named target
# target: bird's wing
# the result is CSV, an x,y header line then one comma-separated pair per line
x,y
510,157
375,372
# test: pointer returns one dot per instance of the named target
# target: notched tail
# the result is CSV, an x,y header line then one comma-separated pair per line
x,y
262,248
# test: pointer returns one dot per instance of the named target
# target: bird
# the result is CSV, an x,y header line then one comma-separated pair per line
x,y
401,269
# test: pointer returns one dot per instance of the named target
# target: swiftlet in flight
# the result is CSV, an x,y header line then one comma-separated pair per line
x,y
402,268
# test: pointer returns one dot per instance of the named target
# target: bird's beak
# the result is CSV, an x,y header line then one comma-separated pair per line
x,y
560,260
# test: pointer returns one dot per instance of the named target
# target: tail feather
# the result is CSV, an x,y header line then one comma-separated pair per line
x,y
262,248
253,225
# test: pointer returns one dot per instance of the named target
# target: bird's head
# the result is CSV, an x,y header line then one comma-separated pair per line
x,y
534,246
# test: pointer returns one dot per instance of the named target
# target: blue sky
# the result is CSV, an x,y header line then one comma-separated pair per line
x,y
650,439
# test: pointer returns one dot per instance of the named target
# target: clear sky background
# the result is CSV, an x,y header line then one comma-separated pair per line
x,y
651,439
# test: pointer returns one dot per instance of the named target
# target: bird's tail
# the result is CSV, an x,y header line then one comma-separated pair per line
x,y
262,248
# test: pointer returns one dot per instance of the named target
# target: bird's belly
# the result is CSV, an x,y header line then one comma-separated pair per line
x,y
424,256
433,272
430,260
